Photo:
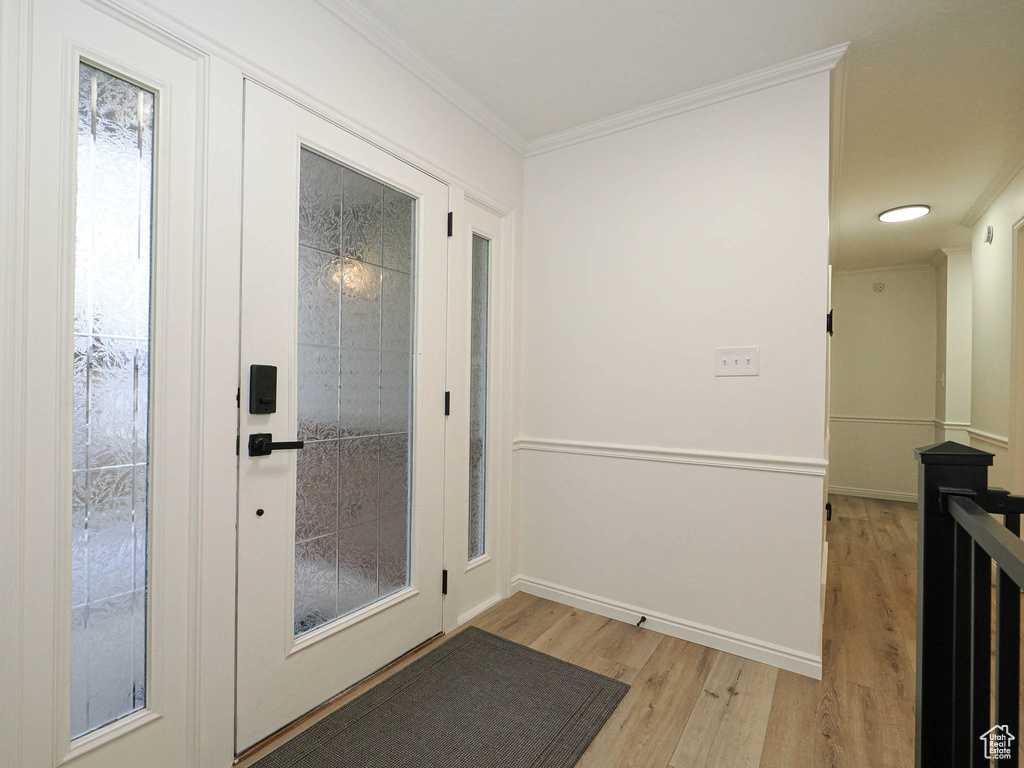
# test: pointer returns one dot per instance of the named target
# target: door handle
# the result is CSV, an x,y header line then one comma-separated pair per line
x,y
262,444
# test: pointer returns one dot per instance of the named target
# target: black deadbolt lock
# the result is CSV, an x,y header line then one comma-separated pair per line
x,y
262,389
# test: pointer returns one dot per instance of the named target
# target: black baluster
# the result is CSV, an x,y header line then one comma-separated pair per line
x,y
981,653
963,663
1008,654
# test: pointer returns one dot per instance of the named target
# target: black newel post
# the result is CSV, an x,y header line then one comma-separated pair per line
x,y
946,467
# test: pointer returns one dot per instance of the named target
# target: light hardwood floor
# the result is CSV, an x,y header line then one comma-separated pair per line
x,y
691,707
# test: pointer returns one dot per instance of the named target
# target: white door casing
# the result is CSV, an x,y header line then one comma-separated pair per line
x,y
280,676
63,33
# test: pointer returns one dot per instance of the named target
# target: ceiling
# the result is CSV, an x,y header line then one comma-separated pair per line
x,y
934,96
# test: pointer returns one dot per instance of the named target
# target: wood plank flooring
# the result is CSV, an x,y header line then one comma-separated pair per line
x,y
692,707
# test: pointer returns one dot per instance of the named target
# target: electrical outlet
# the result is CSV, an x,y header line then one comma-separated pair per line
x,y
737,361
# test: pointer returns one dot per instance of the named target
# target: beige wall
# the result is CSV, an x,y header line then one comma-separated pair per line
x,y
993,275
883,379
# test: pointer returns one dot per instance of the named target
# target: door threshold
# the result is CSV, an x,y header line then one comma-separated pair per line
x,y
299,724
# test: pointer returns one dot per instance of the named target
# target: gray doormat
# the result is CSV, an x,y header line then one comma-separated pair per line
x,y
475,701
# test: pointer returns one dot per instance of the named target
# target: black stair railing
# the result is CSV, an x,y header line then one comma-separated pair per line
x,y
957,725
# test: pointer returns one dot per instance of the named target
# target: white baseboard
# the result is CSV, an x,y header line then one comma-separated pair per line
x,y
721,640
477,610
866,493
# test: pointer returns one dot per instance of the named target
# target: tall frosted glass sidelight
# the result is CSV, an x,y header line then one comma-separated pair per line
x,y
113,245
478,399
355,328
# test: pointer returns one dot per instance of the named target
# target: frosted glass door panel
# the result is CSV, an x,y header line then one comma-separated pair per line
x,y
355,329
111,395
478,400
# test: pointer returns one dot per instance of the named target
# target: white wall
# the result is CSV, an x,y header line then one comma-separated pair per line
x,y
953,350
941,290
648,484
883,380
993,275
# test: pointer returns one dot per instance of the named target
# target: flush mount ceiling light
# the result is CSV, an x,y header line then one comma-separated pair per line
x,y
904,213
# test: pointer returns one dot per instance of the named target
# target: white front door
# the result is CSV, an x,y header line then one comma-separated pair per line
x,y
344,251
111,407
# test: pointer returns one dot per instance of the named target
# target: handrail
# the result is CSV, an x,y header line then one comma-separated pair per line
x,y
1002,502
1002,546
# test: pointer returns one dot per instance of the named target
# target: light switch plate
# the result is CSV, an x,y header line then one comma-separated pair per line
x,y
737,361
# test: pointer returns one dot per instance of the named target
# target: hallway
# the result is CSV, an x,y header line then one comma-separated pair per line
x,y
692,707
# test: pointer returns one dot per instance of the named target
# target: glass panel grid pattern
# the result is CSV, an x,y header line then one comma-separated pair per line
x,y
478,398
110,454
355,331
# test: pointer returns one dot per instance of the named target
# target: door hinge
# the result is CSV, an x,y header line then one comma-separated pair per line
x,y
444,582
238,444
828,511
447,403
451,224
828,322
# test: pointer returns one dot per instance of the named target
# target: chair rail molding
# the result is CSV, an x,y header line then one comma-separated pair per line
x,y
922,267
787,71
791,465
897,421
1000,441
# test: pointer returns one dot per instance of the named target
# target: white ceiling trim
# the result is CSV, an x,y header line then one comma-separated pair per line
x,y
821,61
995,188
954,252
381,36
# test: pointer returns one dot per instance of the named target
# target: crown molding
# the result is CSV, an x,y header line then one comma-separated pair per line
x,y
922,267
821,61
955,252
1013,165
395,47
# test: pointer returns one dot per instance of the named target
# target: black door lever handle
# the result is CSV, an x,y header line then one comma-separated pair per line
x,y
262,444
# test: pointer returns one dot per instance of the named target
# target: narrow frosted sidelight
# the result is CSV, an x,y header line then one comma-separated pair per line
x,y
355,329
478,400
111,399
